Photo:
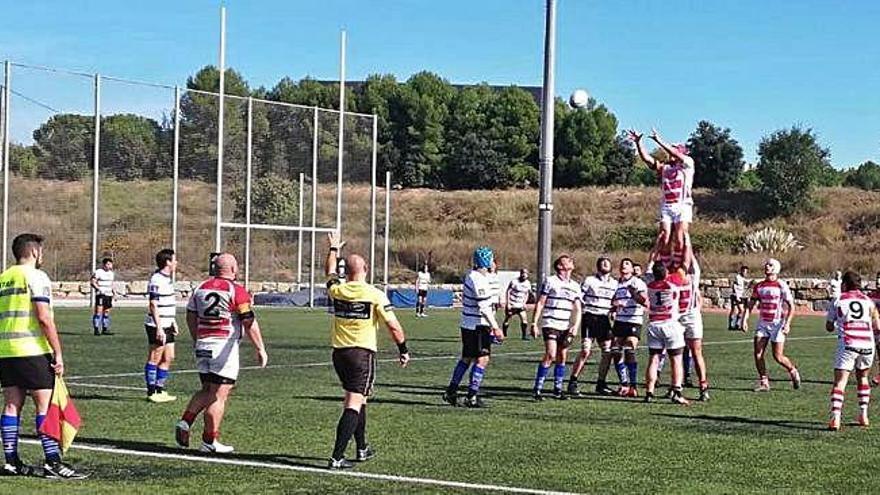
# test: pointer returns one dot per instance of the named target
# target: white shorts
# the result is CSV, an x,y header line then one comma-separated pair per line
x,y
848,359
668,335
218,356
676,213
769,330
693,325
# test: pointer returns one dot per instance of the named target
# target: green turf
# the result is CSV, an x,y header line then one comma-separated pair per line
x,y
741,442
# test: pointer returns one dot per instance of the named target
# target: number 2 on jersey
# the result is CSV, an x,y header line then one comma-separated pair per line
x,y
213,300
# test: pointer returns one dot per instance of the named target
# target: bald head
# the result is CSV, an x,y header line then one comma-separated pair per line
x,y
356,267
227,266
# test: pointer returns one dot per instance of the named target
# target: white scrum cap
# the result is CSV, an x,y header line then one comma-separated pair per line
x,y
774,264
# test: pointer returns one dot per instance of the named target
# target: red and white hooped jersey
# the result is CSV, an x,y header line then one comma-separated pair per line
x,y
220,305
853,316
771,294
677,182
663,302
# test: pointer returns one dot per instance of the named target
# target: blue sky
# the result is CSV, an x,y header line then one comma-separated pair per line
x,y
754,66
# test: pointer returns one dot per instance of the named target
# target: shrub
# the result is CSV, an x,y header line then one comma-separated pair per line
x,y
274,200
770,240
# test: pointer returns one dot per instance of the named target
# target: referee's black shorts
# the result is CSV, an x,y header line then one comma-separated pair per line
x,y
29,373
356,369
103,300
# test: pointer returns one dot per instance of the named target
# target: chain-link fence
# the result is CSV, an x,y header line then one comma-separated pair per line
x,y
154,171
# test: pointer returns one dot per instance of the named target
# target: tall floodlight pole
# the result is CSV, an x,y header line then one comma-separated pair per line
x,y
96,162
220,111
341,133
545,161
7,101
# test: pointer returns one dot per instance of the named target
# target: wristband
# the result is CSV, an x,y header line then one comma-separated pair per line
x,y
334,249
402,349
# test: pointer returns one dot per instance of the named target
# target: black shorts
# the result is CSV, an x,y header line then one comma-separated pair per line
x,y
29,373
508,311
151,335
104,301
622,329
596,327
477,342
215,378
356,369
562,337
737,300
423,293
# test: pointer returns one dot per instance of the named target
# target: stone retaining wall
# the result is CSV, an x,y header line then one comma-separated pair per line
x,y
810,293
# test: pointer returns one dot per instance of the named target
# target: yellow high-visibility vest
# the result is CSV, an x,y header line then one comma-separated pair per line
x,y
20,334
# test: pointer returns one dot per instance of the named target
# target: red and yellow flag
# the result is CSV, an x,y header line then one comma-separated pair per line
x,y
62,420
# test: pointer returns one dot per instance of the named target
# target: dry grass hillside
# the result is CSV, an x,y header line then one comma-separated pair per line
x,y
135,221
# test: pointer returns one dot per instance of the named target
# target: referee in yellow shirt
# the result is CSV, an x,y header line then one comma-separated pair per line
x,y
358,308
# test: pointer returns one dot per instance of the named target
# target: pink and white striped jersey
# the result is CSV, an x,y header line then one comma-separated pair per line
x,y
677,182
770,295
853,316
663,301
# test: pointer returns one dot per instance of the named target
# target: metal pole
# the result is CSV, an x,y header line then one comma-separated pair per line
x,y
545,162
299,243
247,193
341,133
220,111
387,226
96,161
176,168
7,98
373,202
315,124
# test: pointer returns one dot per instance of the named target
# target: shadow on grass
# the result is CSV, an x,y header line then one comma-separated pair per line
x,y
285,459
778,423
503,393
785,381
377,399
84,397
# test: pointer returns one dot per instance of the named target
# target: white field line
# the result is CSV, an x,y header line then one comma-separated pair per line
x,y
308,469
394,360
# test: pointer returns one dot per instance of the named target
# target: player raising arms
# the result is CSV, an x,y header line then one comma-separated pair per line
x,y
479,329
558,312
358,308
664,332
102,284
516,297
161,326
598,291
775,311
854,316
628,311
218,312
676,181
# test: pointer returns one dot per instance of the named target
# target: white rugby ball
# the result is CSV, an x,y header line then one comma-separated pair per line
x,y
579,99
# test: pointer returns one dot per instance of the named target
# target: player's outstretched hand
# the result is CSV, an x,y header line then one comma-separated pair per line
x,y
634,135
654,134
404,360
262,357
334,240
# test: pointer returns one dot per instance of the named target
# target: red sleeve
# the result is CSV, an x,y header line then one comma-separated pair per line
x,y
242,302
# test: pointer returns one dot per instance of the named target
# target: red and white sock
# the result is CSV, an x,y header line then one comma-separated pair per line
x,y
836,402
864,398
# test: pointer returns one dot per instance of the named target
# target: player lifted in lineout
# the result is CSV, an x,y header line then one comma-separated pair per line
x,y
219,312
102,283
676,181
775,305
160,325
479,329
516,297
358,309
558,315
597,291
855,319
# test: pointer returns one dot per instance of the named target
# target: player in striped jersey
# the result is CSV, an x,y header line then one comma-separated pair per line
x,y
775,305
676,182
423,280
102,284
854,316
738,299
664,332
597,290
161,326
558,312
690,310
478,329
628,311
516,297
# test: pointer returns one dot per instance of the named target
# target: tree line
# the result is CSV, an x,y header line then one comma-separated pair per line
x,y
430,133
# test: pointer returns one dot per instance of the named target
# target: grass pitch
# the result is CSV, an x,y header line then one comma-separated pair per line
x,y
740,442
